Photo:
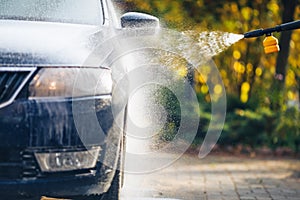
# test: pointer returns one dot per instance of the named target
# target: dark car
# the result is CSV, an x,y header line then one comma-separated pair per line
x,y
58,133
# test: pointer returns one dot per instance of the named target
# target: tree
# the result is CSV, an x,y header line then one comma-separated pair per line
x,y
285,39
289,8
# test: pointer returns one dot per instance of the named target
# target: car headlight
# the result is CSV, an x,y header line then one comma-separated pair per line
x,y
70,82
68,161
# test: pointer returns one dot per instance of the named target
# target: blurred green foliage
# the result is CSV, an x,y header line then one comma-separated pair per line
x,y
248,74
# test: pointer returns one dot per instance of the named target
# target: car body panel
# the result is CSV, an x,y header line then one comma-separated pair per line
x,y
37,43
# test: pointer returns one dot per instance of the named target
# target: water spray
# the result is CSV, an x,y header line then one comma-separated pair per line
x,y
271,43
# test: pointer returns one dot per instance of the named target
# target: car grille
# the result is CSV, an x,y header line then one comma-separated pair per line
x,y
30,167
17,164
11,82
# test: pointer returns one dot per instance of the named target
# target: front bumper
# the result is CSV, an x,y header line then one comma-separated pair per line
x,y
28,126
90,183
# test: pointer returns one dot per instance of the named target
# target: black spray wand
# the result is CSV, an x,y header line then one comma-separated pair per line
x,y
279,28
271,43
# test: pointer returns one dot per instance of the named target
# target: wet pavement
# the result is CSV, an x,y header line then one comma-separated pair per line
x,y
217,178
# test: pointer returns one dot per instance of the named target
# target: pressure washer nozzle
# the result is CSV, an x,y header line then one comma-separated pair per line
x,y
271,44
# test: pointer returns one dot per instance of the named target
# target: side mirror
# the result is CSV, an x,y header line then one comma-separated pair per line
x,y
139,20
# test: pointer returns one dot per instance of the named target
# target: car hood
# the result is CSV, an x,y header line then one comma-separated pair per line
x,y
47,44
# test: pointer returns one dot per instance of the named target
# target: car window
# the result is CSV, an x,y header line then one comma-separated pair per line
x,y
67,11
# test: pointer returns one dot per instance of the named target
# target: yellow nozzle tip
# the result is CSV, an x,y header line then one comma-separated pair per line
x,y
271,45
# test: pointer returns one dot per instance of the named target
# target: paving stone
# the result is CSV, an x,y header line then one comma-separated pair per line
x,y
247,198
279,198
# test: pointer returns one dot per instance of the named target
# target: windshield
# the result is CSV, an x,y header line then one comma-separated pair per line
x,y
67,11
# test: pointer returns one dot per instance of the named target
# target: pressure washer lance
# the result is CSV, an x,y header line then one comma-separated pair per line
x,y
271,43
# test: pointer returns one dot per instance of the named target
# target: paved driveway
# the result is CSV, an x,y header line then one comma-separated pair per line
x,y
217,178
